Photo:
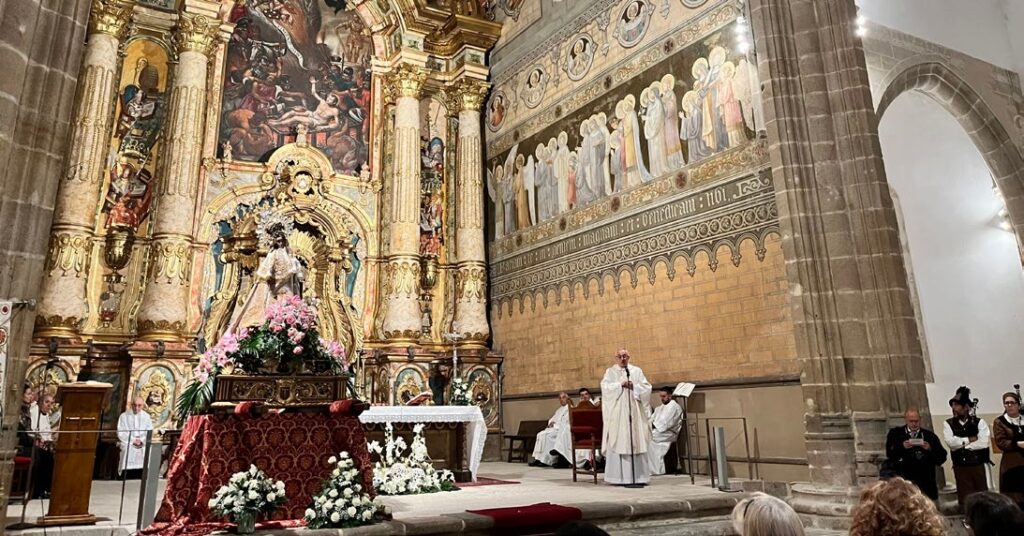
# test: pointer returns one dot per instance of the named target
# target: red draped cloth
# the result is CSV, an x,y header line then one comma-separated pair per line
x,y
293,447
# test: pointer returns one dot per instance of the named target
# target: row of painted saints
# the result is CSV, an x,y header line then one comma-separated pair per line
x,y
643,139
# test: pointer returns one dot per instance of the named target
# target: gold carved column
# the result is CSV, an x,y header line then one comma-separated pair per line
x,y
164,312
64,304
471,268
402,271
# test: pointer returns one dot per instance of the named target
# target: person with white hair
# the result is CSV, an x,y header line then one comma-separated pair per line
x,y
764,515
627,422
132,426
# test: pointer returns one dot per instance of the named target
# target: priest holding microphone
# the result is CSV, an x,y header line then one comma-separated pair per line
x,y
626,412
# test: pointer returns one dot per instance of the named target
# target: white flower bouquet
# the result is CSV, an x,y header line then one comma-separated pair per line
x,y
247,495
400,474
460,392
343,502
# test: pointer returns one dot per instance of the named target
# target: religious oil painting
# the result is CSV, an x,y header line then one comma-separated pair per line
x,y
686,108
294,63
156,387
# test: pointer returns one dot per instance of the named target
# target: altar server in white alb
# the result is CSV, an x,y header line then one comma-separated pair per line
x,y
625,393
132,426
665,423
547,447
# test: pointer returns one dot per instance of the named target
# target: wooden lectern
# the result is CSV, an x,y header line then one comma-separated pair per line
x,y
75,453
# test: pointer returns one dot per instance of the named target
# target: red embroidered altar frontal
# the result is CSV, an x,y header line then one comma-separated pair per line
x,y
293,447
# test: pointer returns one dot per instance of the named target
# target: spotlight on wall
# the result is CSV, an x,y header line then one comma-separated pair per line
x,y
743,37
1003,217
861,25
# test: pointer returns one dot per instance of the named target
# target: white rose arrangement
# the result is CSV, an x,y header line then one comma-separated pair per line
x,y
460,392
396,474
248,493
343,502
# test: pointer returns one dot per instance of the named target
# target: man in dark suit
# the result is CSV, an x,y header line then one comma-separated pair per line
x,y
914,453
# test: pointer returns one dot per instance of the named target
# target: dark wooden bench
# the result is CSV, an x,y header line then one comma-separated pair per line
x,y
520,445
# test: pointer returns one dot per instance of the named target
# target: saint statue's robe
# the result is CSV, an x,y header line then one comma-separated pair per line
x,y
620,405
554,438
666,422
279,275
635,171
131,427
561,171
673,147
654,133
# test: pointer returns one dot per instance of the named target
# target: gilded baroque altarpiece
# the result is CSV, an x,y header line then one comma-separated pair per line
x,y
359,121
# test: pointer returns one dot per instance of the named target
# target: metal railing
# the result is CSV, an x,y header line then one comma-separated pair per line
x,y
33,445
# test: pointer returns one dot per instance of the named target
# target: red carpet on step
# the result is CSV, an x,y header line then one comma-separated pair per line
x,y
534,515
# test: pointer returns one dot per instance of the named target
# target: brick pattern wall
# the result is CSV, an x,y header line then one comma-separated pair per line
x,y
731,323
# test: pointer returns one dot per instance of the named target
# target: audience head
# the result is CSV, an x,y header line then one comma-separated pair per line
x,y
563,398
895,507
665,393
138,404
622,357
993,514
584,394
580,528
913,418
764,515
28,396
1011,403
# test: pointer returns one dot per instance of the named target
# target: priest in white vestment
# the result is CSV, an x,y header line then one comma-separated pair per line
x,y
666,422
625,392
547,447
132,426
583,455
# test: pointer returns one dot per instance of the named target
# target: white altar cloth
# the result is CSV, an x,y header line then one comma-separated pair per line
x,y
476,428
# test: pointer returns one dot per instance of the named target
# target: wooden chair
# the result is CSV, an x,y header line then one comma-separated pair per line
x,y
586,426
521,444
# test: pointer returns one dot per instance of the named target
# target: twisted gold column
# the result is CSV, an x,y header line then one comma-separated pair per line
x,y
64,304
402,271
471,276
164,312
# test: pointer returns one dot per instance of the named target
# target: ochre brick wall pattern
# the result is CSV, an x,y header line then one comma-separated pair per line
x,y
733,323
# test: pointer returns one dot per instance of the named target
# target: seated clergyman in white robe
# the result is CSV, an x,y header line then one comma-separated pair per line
x,y
665,423
625,392
555,438
583,455
132,426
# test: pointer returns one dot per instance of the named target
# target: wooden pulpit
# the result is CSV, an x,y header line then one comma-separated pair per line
x,y
74,453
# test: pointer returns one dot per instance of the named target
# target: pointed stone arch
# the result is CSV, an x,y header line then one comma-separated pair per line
x,y
947,89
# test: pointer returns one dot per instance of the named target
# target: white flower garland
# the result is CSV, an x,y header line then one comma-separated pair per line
x,y
398,475
342,502
248,492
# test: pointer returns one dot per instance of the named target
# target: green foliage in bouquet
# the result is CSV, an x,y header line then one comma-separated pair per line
x,y
288,342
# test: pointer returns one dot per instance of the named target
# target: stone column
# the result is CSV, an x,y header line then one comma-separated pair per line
x,y
855,329
164,312
64,304
402,271
471,263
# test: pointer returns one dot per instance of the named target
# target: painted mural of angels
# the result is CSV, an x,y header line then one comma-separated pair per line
x,y
633,22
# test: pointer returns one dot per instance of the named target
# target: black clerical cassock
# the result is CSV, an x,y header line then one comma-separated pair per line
x,y
916,463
